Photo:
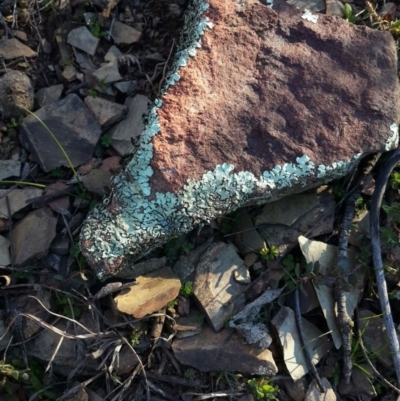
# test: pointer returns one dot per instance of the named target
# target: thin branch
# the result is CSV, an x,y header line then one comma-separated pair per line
x,y
377,257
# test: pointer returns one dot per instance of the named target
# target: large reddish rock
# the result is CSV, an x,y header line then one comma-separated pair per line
x,y
273,102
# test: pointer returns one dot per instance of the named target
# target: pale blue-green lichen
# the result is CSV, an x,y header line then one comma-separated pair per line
x,y
130,223
393,140
309,16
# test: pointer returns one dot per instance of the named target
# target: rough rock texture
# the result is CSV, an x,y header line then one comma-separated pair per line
x,y
32,235
17,199
16,91
271,104
215,285
71,123
13,48
223,351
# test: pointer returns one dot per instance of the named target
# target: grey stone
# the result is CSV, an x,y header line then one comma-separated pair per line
x,y
214,284
46,46
16,91
49,95
186,265
61,35
85,63
295,389
188,326
293,353
246,237
17,199
283,221
131,126
375,336
315,394
113,53
20,35
71,123
82,39
108,73
97,181
13,48
210,351
4,251
69,73
106,112
126,86
9,168
33,235
360,386
124,34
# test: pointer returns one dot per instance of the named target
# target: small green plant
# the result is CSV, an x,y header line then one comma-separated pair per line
x,y
96,29
135,337
187,247
262,389
269,253
102,84
200,318
390,238
66,302
186,289
360,205
105,141
15,122
348,14
35,378
75,252
230,378
93,93
190,374
57,172
395,180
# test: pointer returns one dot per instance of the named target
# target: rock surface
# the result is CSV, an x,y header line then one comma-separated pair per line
x,y
17,199
49,95
13,48
32,235
215,289
131,126
295,105
9,168
83,40
106,112
296,363
16,91
71,123
124,34
223,351
152,292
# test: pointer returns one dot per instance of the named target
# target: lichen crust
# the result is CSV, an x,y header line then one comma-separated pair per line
x,y
132,221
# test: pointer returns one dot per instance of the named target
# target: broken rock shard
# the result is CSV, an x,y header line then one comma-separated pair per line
x,y
259,103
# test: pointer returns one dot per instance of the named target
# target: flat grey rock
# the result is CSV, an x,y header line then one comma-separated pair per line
x,y
97,182
108,73
215,289
124,34
16,91
4,251
82,39
131,126
49,95
315,394
17,199
9,168
293,353
126,86
13,48
113,53
210,351
106,112
71,123
32,236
